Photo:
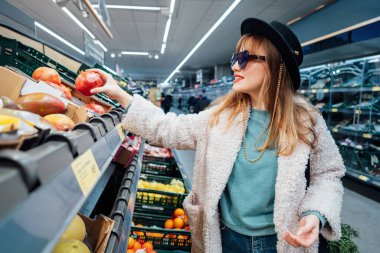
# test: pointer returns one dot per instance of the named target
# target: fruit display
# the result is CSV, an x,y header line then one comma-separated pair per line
x,y
139,246
60,121
41,104
71,246
175,186
96,108
88,80
46,74
76,229
157,151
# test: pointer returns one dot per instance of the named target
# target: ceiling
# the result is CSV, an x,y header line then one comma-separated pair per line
x,y
139,30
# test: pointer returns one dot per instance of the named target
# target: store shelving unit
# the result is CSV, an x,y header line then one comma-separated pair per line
x,y
55,179
347,94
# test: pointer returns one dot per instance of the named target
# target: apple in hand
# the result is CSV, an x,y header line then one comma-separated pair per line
x,y
88,80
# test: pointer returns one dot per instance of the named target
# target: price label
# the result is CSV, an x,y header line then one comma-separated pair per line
x,y
357,111
313,91
364,178
367,135
121,132
303,91
153,207
325,90
376,88
334,109
335,130
86,171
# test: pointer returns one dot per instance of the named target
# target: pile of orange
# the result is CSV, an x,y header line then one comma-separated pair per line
x,y
134,245
179,220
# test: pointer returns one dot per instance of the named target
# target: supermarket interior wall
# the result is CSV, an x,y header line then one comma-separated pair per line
x,y
335,17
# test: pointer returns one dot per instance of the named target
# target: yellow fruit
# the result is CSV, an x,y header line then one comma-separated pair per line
x,y
70,246
76,229
131,242
8,123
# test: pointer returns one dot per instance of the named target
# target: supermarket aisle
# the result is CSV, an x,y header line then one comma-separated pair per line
x,y
358,211
363,214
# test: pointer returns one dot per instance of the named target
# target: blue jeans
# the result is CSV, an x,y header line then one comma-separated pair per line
x,y
233,242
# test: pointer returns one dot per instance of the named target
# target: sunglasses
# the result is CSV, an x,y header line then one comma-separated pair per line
x,y
243,57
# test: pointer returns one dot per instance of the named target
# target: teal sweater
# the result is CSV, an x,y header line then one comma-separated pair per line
x,y
247,202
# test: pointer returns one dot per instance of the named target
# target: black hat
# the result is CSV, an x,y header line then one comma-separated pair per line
x,y
283,39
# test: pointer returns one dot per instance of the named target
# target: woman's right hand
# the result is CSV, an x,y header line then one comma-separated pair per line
x,y
112,89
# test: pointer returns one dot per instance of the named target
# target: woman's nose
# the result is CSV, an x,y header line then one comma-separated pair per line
x,y
235,67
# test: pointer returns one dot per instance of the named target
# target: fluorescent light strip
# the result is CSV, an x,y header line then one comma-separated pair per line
x,y
78,22
58,37
101,45
350,28
134,53
110,70
167,27
212,29
130,7
163,48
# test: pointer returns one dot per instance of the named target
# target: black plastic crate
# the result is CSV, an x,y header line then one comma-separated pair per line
x,y
158,200
163,240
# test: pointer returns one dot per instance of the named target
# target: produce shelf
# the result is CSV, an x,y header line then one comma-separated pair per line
x,y
58,175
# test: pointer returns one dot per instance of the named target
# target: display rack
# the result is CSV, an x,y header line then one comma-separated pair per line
x,y
55,179
347,94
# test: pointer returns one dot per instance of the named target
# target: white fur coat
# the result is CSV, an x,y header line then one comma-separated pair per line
x,y
215,155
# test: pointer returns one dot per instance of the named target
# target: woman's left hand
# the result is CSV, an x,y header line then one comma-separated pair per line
x,y
307,233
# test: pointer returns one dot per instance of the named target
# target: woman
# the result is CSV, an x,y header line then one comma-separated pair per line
x,y
252,148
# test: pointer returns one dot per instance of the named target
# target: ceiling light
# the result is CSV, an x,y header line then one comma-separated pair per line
x,y
135,53
163,48
58,37
212,29
150,56
156,57
119,55
101,45
112,55
110,70
167,27
130,7
78,22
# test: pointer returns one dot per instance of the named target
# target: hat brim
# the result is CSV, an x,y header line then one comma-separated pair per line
x,y
258,27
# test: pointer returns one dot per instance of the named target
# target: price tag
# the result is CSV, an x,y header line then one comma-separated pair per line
x,y
335,130
121,132
303,91
314,91
357,111
376,88
367,135
325,90
364,178
86,171
334,109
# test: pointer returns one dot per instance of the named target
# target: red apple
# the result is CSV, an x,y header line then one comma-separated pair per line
x,y
96,108
87,80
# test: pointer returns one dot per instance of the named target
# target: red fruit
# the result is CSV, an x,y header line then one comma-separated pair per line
x,y
46,74
60,121
41,103
96,108
66,90
86,81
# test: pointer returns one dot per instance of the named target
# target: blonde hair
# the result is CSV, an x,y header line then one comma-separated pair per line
x,y
292,119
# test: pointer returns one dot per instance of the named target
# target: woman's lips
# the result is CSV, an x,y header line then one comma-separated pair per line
x,y
238,78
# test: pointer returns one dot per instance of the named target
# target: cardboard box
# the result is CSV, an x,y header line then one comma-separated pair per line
x,y
11,83
98,232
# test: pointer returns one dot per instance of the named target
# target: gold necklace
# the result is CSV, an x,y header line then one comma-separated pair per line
x,y
270,127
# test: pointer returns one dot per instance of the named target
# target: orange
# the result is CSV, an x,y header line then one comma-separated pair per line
x,y
139,225
179,212
147,245
131,242
187,227
179,223
131,251
169,224
137,245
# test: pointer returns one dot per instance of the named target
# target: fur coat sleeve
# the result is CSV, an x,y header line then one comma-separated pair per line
x,y
325,193
169,130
